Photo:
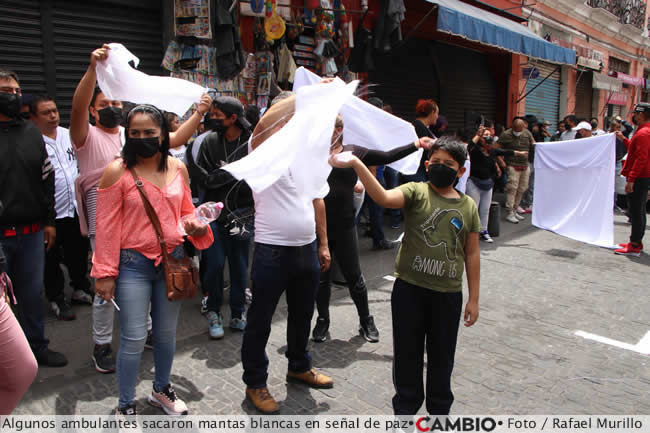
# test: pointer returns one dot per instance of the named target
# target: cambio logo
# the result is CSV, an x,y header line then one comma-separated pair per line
x,y
427,424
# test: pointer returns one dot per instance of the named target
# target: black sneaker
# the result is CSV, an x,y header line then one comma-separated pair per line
x,y
103,358
319,334
128,410
149,343
62,310
384,244
49,358
368,330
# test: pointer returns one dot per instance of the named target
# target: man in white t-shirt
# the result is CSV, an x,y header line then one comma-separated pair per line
x,y
571,121
72,247
290,251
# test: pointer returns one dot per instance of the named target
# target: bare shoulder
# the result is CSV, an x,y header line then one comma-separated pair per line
x,y
112,173
179,165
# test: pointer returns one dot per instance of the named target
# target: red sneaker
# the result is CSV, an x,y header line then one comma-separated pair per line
x,y
629,250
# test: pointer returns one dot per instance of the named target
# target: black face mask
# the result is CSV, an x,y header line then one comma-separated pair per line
x,y
10,104
142,147
110,117
208,123
219,127
441,176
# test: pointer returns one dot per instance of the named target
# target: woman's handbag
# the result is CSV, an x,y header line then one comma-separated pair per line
x,y
181,275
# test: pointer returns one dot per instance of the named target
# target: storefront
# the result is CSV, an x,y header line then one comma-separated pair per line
x,y
48,43
584,94
437,70
543,92
469,62
613,95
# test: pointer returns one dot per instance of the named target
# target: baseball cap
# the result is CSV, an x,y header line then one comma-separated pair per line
x,y
230,105
547,123
642,107
584,125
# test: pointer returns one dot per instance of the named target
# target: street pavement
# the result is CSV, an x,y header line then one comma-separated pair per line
x,y
521,357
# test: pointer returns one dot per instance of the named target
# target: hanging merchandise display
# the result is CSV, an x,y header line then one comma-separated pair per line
x,y
361,57
192,18
264,77
274,24
388,28
257,6
286,65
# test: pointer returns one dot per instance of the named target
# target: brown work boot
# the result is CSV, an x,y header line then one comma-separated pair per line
x,y
311,378
262,400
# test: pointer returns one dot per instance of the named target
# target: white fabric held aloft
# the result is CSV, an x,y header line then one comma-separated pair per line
x,y
371,127
574,188
120,81
301,146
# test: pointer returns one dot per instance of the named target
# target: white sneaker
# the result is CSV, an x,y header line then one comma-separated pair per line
x,y
520,209
511,218
520,217
485,236
168,401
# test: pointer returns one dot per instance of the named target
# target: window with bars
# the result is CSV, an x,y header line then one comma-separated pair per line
x,y
618,65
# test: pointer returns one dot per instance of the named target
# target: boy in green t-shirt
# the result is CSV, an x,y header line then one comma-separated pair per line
x,y
440,241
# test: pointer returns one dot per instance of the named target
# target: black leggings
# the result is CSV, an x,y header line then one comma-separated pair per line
x,y
344,248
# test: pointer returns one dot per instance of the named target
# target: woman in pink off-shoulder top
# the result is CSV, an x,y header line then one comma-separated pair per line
x,y
127,258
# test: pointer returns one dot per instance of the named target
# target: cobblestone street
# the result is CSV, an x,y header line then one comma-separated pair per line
x,y
522,357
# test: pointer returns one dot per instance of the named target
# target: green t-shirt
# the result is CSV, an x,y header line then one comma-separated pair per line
x,y
432,254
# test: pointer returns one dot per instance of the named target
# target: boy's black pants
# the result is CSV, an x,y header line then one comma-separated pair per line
x,y
423,315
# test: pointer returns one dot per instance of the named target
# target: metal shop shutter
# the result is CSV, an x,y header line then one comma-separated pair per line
x,y
80,27
466,84
403,77
544,101
584,95
21,49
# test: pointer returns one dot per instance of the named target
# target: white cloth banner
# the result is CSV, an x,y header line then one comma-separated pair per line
x,y
301,146
120,81
371,127
574,188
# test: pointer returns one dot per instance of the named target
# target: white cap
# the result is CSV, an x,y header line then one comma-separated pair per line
x,y
584,125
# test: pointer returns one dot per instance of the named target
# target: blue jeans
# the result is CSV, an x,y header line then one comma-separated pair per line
x,y
25,266
276,269
213,261
139,284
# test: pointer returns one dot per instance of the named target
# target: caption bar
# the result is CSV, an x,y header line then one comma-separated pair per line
x,y
325,423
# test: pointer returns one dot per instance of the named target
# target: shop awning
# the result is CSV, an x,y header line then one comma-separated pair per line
x,y
604,82
479,25
629,79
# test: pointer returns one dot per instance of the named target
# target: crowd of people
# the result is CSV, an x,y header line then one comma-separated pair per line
x,y
66,192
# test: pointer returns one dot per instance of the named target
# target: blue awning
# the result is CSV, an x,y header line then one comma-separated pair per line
x,y
467,21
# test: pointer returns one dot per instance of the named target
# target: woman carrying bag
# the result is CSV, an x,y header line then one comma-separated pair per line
x,y
140,200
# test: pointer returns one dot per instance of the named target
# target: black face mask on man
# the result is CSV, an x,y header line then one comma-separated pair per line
x,y
441,176
208,123
10,104
142,147
219,127
110,117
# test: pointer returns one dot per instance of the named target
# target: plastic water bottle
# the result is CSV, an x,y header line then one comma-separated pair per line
x,y
203,215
